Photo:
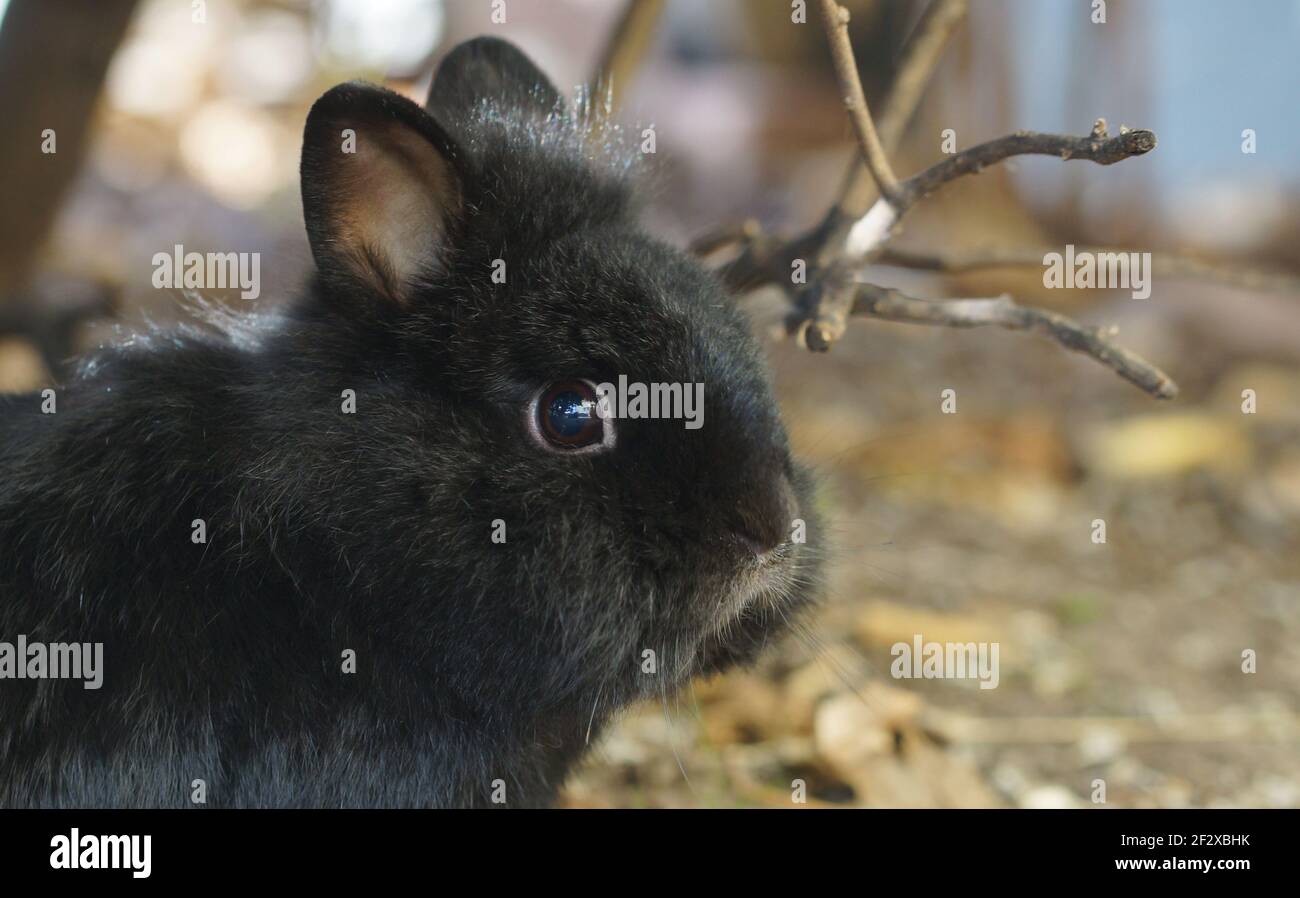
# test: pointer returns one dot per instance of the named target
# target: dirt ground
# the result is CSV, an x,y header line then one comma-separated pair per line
x,y
1121,664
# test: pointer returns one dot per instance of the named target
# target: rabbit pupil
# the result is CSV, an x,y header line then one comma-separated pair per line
x,y
568,415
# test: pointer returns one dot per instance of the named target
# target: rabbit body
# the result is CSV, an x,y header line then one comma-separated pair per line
x,y
414,601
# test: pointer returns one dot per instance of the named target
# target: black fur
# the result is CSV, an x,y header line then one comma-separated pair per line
x,y
476,661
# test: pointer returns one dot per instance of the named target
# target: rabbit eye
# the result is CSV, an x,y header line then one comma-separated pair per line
x,y
564,417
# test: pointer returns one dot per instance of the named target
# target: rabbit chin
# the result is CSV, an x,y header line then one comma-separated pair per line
x,y
753,605
738,615
762,586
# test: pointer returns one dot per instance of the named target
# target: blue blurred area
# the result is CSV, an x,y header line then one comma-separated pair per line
x,y
1211,70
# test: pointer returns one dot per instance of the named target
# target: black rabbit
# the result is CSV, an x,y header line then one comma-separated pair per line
x,y
439,598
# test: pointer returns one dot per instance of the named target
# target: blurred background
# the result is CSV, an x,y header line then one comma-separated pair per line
x,y
179,122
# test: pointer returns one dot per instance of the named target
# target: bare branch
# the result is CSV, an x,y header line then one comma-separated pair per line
x,y
624,53
881,302
849,236
1097,147
835,20
764,262
919,60
1171,266
871,231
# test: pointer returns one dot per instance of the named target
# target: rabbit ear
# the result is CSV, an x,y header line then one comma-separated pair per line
x,y
493,69
381,193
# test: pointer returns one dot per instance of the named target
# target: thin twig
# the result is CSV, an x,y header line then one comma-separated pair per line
x,y
767,263
1098,147
835,20
916,69
918,62
624,53
882,302
872,231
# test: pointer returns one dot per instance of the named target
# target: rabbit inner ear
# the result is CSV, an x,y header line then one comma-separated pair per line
x,y
380,195
394,209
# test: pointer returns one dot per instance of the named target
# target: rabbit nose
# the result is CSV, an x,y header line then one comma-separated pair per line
x,y
764,516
